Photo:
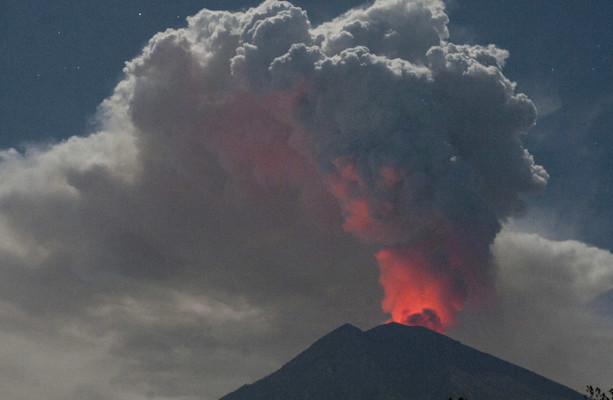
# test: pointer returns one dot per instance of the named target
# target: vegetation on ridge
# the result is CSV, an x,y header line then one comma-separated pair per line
x,y
596,393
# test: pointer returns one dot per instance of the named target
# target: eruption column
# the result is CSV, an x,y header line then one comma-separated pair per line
x,y
416,138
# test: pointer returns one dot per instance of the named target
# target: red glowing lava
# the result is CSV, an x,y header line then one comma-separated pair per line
x,y
425,281
415,293
425,273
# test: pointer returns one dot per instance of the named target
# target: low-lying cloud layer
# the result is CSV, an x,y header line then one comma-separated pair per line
x,y
246,171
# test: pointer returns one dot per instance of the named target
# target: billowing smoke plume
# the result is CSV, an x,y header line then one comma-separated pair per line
x,y
225,133
416,138
249,173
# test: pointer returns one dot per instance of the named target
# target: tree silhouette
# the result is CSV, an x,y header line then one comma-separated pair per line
x,y
596,394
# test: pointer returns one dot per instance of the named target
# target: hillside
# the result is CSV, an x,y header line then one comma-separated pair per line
x,y
397,362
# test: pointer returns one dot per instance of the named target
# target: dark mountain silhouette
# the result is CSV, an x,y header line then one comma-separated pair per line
x,y
398,362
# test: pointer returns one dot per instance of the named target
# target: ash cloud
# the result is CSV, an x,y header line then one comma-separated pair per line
x,y
247,169
441,118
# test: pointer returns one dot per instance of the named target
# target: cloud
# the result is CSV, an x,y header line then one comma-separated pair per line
x,y
547,317
247,170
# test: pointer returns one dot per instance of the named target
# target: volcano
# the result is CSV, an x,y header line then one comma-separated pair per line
x,y
399,362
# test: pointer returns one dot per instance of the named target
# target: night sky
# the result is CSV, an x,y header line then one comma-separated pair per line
x,y
153,249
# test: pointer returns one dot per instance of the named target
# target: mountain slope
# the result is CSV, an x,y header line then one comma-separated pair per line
x,y
398,362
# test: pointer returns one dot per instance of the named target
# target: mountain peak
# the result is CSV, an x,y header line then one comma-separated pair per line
x,y
345,329
397,362
394,328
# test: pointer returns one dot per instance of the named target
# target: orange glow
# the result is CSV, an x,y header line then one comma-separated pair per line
x,y
425,273
390,176
414,293
425,283
251,137
349,188
256,141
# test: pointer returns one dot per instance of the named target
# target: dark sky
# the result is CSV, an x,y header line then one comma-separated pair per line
x,y
141,261
561,56
63,59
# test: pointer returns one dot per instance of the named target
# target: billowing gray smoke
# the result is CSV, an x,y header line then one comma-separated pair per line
x,y
247,168
417,138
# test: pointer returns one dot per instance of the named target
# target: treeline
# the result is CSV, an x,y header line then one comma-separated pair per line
x,y
595,393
